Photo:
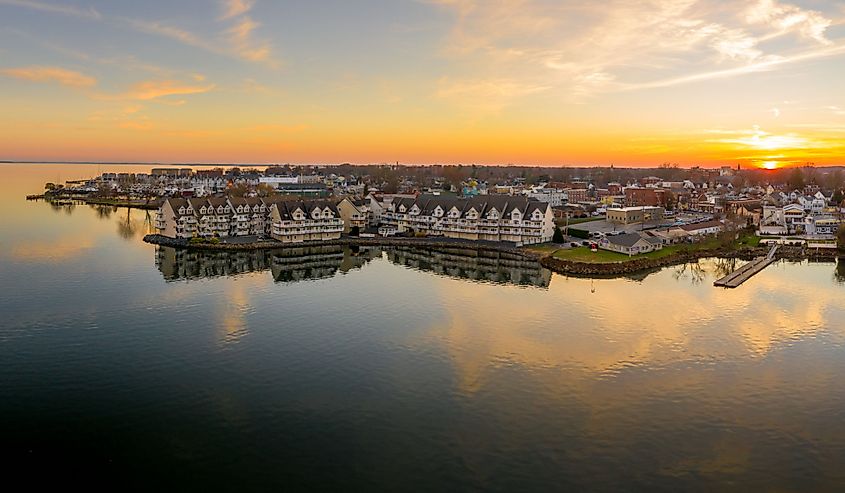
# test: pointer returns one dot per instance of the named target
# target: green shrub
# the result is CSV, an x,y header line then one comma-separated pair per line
x,y
579,233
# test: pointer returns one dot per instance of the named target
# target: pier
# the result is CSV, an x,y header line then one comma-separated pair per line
x,y
747,271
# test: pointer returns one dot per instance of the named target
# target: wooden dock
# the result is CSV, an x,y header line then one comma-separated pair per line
x,y
747,271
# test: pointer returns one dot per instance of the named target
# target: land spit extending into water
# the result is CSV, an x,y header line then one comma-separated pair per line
x,y
560,266
131,204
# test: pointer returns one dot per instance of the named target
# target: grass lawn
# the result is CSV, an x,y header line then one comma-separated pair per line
x,y
751,240
584,254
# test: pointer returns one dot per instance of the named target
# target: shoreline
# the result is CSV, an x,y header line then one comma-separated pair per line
x,y
634,266
96,201
156,239
559,266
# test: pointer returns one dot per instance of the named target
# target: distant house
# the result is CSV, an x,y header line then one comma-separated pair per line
x,y
671,236
705,228
631,243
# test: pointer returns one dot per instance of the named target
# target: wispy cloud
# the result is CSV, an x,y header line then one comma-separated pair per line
x,y
70,78
242,42
236,37
234,8
790,18
156,89
582,49
484,94
89,13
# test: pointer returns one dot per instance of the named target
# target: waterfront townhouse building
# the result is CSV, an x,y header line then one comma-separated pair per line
x,y
492,218
354,213
222,213
793,217
249,216
176,219
821,225
301,221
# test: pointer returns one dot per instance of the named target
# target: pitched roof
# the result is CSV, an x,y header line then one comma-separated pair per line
x,y
504,204
286,208
704,225
626,240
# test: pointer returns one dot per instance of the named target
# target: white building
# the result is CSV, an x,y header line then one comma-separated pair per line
x,y
490,218
298,221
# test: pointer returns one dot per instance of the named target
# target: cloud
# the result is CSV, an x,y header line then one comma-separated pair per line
x,y
240,37
485,94
581,49
155,89
235,40
234,8
167,31
788,18
88,13
63,76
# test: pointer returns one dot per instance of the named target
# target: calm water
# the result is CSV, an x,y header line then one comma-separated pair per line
x,y
400,369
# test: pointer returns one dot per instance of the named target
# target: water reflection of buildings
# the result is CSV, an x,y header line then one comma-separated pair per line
x,y
308,263
288,265
497,267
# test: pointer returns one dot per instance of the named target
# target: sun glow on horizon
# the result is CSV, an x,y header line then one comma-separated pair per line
x,y
525,82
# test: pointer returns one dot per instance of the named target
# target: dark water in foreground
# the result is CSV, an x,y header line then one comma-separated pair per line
x,y
401,369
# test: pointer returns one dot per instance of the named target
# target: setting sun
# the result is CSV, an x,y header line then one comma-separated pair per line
x,y
770,164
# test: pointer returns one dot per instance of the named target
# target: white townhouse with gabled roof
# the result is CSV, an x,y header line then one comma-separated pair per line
x,y
489,217
176,219
301,221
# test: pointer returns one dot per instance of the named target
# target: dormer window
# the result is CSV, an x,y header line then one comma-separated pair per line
x,y
402,208
315,213
438,212
516,216
181,210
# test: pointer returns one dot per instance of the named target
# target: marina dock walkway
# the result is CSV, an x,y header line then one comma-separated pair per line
x,y
748,270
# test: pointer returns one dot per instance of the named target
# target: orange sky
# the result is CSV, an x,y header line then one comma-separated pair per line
x,y
758,82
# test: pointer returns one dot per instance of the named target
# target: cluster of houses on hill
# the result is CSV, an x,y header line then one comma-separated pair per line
x,y
495,218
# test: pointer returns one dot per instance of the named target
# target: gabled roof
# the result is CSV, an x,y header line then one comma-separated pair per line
x,y
176,203
482,204
286,208
626,240
704,225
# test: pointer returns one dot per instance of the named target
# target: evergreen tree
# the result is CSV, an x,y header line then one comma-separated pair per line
x,y
558,236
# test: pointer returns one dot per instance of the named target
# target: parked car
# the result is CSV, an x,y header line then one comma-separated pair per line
x,y
573,244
